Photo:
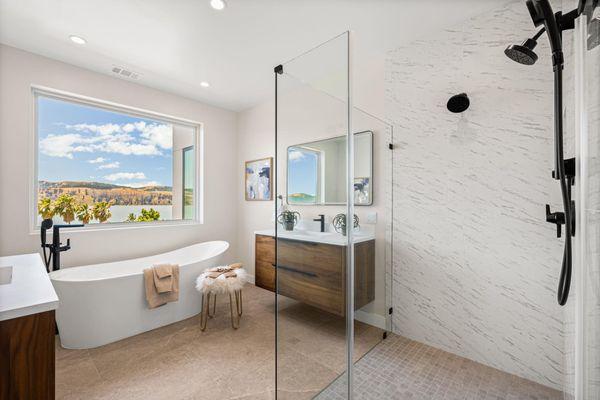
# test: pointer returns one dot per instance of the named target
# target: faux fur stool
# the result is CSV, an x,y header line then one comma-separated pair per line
x,y
227,279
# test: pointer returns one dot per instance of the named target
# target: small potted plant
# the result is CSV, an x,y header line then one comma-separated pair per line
x,y
339,223
288,219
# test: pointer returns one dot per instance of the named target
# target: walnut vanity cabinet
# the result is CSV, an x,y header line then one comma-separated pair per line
x,y
315,273
27,304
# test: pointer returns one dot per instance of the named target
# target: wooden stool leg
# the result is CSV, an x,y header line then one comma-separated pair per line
x,y
235,320
205,307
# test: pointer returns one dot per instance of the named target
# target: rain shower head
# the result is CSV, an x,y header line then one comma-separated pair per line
x,y
522,53
458,103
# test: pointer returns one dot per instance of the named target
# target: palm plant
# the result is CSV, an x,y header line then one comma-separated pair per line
x,y
131,217
46,208
101,211
84,213
65,206
148,215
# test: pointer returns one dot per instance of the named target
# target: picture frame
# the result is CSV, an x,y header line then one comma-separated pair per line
x,y
258,180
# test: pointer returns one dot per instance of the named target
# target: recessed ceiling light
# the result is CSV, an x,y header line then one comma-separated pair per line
x,y
204,84
77,39
218,4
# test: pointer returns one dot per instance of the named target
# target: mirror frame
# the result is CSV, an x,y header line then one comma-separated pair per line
x,y
287,174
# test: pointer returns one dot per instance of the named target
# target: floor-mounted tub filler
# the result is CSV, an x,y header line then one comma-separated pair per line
x,y
103,303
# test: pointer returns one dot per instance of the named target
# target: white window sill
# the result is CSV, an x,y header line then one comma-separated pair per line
x,y
124,226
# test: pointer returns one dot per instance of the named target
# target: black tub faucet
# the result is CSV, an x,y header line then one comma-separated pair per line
x,y
55,247
321,219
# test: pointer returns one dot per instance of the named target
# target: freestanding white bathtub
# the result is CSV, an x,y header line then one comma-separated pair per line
x,y
103,303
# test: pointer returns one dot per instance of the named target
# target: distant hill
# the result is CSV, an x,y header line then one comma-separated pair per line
x,y
301,198
92,192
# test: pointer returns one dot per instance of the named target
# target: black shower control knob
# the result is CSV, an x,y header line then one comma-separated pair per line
x,y
557,218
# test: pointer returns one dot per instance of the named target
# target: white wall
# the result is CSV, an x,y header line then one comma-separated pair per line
x,y
18,71
476,265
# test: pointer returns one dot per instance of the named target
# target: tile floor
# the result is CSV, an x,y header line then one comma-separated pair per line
x,y
399,369
181,362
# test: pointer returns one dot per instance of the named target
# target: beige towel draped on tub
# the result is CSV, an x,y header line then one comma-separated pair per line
x,y
162,284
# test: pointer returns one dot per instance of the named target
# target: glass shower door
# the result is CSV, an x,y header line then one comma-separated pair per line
x,y
587,267
312,265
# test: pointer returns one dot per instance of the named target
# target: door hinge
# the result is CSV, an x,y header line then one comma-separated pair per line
x,y
391,146
391,311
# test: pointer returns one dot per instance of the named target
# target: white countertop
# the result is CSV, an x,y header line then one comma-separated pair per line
x,y
317,237
30,291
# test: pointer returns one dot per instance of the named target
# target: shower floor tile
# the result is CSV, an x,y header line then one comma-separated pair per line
x,y
399,368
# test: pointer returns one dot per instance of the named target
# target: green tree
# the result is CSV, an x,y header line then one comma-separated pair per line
x,y
148,215
102,211
84,213
65,206
46,208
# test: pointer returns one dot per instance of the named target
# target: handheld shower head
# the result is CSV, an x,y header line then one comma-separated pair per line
x,y
522,53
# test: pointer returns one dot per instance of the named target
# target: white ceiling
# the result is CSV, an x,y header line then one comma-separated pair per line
x,y
176,44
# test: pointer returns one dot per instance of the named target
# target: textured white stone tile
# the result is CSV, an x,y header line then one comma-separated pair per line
x,y
475,265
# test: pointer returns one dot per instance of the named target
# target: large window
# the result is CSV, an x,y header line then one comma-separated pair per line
x,y
99,163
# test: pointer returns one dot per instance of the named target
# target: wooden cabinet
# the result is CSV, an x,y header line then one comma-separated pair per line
x,y
315,273
27,357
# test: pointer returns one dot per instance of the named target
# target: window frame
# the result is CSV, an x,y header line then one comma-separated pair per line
x,y
198,127
183,176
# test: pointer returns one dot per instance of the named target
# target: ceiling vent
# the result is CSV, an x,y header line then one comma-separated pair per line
x,y
125,73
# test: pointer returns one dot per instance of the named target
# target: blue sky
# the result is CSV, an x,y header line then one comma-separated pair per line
x,y
302,171
81,143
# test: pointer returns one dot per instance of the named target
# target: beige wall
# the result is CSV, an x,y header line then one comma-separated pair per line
x,y
18,71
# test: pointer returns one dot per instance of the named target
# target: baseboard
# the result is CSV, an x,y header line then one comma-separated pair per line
x,y
370,318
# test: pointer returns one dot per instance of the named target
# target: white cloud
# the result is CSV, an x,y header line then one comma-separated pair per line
x,y
97,160
105,129
159,135
60,146
137,138
129,148
295,155
111,165
128,128
125,176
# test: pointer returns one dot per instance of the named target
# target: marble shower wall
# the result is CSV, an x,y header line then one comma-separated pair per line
x,y
475,264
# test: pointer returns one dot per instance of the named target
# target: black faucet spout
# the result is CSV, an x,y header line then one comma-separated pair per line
x,y
321,219
56,247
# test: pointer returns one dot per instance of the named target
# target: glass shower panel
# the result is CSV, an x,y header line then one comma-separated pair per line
x,y
311,258
371,185
587,268
371,236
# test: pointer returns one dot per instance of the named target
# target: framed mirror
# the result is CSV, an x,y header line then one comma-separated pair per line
x,y
316,171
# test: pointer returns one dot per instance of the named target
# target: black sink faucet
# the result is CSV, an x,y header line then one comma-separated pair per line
x,y
321,219
55,247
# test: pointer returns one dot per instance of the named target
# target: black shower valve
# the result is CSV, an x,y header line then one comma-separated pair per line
x,y
557,218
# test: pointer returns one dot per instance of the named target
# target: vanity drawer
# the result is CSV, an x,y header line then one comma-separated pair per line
x,y
264,275
312,273
265,248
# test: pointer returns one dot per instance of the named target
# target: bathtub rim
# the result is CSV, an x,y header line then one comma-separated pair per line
x,y
56,276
